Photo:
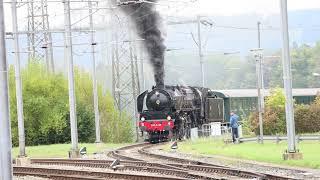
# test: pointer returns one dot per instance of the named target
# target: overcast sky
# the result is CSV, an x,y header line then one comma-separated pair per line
x,y
234,7
178,8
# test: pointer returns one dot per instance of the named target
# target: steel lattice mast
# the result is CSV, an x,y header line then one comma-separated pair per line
x,y
39,36
125,73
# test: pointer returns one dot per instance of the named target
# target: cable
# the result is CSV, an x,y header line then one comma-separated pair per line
x,y
85,17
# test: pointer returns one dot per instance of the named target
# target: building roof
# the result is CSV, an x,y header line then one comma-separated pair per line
x,y
254,92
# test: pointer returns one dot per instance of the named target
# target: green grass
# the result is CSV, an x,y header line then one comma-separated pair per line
x,y
61,150
267,152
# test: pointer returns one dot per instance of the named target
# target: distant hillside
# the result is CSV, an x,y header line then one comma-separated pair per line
x,y
239,33
228,34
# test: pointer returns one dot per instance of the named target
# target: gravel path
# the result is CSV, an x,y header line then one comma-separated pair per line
x,y
293,172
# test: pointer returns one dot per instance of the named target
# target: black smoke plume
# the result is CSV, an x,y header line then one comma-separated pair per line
x,y
147,21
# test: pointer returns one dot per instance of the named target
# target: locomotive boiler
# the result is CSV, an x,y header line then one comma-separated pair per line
x,y
171,111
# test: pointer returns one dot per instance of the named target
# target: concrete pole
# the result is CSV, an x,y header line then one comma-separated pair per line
x,y
117,64
50,52
259,37
287,78
260,100
136,67
200,51
260,86
69,59
135,86
141,51
5,132
22,152
94,76
261,68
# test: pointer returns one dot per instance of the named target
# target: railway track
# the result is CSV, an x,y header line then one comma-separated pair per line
x,y
53,173
143,153
136,162
139,166
93,163
134,166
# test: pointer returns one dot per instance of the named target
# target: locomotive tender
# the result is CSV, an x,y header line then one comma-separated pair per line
x,y
171,111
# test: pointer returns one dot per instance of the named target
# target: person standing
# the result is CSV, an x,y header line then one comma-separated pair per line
x,y
234,125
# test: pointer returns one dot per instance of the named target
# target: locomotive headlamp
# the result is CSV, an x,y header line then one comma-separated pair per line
x,y
158,101
142,119
168,118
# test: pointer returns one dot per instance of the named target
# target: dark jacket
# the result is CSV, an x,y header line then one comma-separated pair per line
x,y
234,121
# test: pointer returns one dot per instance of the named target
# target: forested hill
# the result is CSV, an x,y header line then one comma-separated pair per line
x,y
233,72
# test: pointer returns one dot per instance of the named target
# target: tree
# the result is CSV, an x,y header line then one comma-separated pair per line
x,y
274,116
46,108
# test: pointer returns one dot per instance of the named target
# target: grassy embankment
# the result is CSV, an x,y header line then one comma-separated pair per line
x,y
61,150
267,152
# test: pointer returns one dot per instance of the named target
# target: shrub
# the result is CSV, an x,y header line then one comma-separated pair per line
x,y
246,128
273,121
274,115
307,118
46,108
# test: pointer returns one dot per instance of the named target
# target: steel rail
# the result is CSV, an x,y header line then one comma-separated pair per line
x,y
125,167
99,163
187,164
193,165
62,173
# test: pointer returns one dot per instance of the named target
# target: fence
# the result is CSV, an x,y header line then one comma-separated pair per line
x,y
282,138
216,129
222,130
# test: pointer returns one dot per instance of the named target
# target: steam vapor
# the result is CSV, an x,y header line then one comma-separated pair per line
x,y
147,22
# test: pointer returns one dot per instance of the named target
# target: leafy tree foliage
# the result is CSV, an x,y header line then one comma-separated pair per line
x,y
46,109
307,117
274,116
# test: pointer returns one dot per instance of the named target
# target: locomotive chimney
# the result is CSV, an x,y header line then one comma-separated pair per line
x,y
160,85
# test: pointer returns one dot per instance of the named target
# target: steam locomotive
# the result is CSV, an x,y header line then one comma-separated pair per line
x,y
171,111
